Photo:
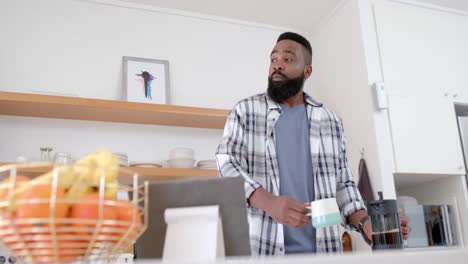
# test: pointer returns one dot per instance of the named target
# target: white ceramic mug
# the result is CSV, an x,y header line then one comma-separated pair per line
x,y
324,213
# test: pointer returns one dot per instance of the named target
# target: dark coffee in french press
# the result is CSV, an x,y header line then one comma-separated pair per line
x,y
385,222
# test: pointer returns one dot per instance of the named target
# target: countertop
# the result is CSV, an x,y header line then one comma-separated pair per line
x,y
428,256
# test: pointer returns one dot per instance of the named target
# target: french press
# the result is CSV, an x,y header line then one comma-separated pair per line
x,y
385,222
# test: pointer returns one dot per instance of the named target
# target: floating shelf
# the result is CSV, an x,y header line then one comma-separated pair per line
x,y
159,174
146,174
76,108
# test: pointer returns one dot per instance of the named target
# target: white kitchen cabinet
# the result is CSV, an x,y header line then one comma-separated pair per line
x,y
418,50
460,65
425,135
424,64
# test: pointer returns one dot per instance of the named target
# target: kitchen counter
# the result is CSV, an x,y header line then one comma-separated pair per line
x,y
425,256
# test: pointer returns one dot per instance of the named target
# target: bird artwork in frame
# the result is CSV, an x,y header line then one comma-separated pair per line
x,y
146,80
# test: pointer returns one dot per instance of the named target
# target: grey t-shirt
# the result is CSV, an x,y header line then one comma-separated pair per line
x,y
295,171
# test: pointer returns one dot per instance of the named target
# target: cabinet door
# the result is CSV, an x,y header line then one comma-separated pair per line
x,y
420,49
422,69
425,135
459,58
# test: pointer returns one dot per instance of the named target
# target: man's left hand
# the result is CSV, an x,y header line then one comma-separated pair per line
x,y
405,226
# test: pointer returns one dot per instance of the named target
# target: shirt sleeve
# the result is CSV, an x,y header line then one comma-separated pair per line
x,y
232,152
347,194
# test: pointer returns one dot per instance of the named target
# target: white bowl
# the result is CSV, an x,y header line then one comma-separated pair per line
x,y
120,154
181,163
181,153
146,164
205,163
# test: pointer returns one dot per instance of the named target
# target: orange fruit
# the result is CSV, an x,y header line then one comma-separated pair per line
x,y
125,211
42,247
28,208
38,240
5,185
87,208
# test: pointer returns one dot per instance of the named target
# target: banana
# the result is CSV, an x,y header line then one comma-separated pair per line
x,y
111,191
79,188
66,176
80,178
106,163
90,169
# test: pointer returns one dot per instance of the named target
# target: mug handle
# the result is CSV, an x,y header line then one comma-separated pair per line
x,y
309,211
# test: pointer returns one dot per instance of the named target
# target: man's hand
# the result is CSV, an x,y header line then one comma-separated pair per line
x,y
405,226
282,209
288,211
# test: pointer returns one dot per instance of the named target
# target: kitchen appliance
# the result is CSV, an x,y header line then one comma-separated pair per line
x,y
385,222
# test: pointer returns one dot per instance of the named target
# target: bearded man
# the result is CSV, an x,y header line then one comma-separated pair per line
x,y
290,150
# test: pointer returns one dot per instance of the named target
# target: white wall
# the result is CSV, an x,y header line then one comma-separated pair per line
x,y
340,81
76,47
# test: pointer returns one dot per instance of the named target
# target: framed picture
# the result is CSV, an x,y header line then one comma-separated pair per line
x,y
146,80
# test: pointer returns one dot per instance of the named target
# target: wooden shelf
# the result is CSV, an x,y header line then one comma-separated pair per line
x,y
76,108
159,174
146,174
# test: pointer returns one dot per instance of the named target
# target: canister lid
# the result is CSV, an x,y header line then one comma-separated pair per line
x,y
382,207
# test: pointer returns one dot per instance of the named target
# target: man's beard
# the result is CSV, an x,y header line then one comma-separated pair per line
x,y
279,91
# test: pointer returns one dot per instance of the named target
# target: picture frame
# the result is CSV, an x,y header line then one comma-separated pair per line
x,y
146,80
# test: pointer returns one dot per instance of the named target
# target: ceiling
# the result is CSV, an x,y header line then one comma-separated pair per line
x,y
294,14
302,15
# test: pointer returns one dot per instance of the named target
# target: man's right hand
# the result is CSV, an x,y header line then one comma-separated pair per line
x,y
288,211
282,209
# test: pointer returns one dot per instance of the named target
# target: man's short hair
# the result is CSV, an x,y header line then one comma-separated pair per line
x,y
301,40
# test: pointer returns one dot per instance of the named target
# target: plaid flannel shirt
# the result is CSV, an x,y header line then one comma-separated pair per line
x,y
247,149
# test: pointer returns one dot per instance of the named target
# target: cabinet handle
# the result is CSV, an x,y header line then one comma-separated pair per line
x,y
446,94
455,95
460,167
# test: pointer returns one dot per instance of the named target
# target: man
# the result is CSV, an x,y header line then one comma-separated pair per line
x,y
290,150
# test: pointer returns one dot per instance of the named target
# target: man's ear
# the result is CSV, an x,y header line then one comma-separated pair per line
x,y
308,71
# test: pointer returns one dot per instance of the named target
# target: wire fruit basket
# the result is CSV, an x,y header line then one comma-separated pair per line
x,y
72,213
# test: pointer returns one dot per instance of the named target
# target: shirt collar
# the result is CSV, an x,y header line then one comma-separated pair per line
x,y
307,98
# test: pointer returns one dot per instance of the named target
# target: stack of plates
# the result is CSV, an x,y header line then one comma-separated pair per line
x,y
207,164
123,158
181,158
146,164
